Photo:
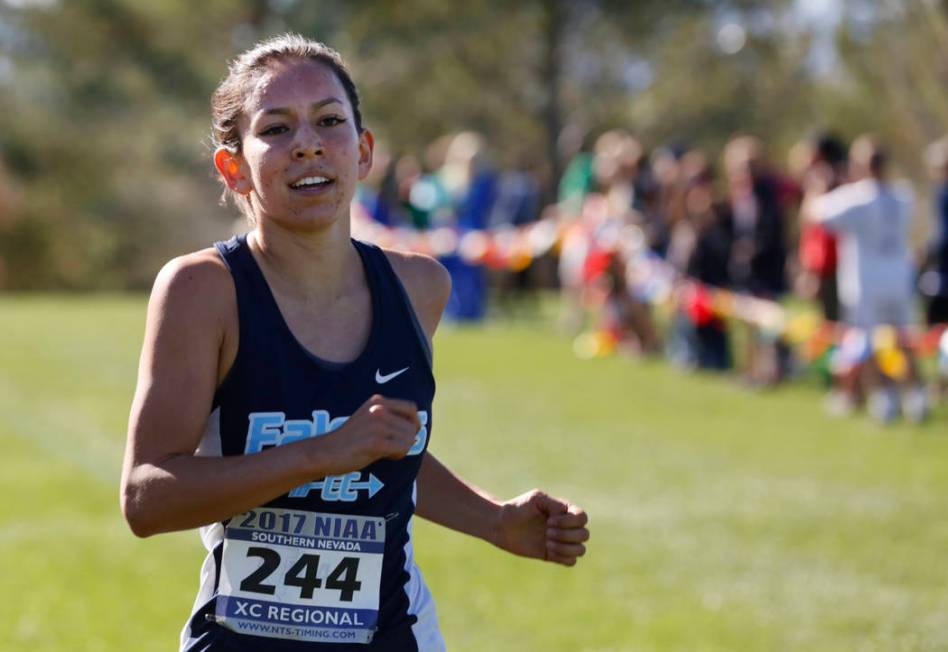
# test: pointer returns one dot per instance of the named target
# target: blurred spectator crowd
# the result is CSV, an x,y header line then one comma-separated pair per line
x,y
718,262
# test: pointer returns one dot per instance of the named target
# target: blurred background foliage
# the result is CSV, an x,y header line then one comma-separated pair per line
x,y
105,166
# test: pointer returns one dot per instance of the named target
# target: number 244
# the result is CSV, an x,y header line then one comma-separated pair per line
x,y
302,574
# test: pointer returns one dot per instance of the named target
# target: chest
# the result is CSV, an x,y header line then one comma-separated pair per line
x,y
336,331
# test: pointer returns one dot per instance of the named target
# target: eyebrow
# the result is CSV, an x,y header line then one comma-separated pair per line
x,y
313,107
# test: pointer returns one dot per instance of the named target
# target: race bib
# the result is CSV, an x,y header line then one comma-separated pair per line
x,y
301,575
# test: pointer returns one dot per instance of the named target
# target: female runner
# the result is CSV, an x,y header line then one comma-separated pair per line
x,y
284,393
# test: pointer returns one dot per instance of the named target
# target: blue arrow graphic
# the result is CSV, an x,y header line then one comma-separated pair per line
x,y
343,488
373,485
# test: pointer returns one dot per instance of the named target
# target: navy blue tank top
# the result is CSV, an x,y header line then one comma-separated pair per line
x,y
329,565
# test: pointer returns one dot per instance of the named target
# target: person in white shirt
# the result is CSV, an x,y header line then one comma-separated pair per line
x,y
875,272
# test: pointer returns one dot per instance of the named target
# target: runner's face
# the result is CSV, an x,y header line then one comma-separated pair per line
x,y
301,148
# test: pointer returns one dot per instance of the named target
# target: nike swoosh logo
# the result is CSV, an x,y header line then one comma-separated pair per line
x,y
381,380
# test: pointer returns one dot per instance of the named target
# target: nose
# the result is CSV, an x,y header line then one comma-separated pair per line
x,y
308,150
308,145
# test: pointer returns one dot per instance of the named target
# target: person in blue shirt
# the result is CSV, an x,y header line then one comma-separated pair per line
x,y
285,386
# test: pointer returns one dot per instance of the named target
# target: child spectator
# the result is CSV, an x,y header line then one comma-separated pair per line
x,y
817,253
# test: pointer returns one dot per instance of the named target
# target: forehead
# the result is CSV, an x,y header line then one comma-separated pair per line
x,y
292,84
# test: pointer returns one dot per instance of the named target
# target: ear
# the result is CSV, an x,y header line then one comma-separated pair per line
x,y
233,170
366,147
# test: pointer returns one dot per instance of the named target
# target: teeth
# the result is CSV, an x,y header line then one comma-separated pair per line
x,y
309,181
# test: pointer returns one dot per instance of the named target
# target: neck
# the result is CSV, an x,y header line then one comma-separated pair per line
x,y
317,266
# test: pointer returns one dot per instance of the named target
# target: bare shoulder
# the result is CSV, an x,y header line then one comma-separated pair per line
x,y
199,269
192,324
427,283
199,284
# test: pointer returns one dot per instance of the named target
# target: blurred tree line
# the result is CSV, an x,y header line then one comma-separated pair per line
x,y
105,152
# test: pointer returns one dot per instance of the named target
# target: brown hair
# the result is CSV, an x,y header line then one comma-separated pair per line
x,y
870,154
230,97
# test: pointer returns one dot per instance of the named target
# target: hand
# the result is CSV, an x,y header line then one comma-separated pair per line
x,y
380,428
542,527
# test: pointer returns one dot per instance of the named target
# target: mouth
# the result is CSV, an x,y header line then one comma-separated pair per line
x,y
312,183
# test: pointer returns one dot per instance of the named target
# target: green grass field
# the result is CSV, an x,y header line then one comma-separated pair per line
x,y
721,519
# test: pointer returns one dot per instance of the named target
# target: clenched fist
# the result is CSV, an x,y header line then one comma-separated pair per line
x,y
382,428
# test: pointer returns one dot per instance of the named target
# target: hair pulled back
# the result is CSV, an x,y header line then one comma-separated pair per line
x,y
230,98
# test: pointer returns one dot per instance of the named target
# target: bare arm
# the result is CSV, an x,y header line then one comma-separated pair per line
x,y
190,327
448,500
534,524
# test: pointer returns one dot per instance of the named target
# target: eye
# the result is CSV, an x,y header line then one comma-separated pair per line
x,y
331,121
274,130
